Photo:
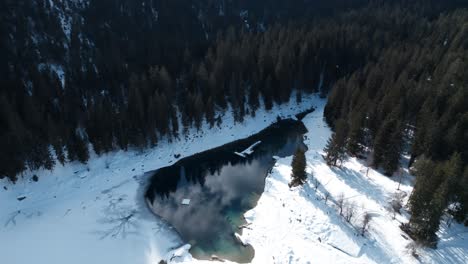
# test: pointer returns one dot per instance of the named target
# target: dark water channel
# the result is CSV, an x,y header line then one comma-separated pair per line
x,y
221,187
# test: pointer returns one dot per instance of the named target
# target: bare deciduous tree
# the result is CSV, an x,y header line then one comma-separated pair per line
x,y
326,196
340,202
349,211
369,162
316,183
365,223
396,203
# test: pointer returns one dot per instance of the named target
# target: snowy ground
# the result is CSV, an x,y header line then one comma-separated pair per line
x,y
95,213
298,226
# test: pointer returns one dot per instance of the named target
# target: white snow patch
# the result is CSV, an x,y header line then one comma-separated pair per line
x,y
247,151
241,240
65,23
58,70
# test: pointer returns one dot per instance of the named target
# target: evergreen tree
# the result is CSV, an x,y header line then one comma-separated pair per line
x,y
388,143
427,206
418,145
450,170
334,107
427,178
462,213
77,149
299,175
435,211
355,145
453,174
336,146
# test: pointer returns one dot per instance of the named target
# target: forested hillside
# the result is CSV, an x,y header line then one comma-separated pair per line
x,y
119,74
412,99
81,76
125,73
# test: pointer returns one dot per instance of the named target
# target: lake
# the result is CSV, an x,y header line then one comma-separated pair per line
x,y
219,187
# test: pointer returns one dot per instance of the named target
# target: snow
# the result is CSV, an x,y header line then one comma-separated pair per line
x,y
241,240
58,70
29,87
65,23
96,213
239,154
178,254
248,150
298,226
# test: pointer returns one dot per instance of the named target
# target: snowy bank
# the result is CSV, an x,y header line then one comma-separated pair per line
x,y
303,224
95,213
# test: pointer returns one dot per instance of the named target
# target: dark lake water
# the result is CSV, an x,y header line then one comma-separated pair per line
x,y
221,187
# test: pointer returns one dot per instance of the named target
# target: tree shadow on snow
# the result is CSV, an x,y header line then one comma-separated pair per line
x,y
453,248
366,245
118,222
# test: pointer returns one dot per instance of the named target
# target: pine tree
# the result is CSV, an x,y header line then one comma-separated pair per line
x,y
334,105
392,159
427,206
462,213
427,179
12,157
77,149
423,170
336,145
387,144
435,211
453,174
355,144
299,175
418,146
451,170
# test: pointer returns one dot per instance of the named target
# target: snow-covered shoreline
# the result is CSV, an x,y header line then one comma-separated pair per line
x,y
303,224
96,213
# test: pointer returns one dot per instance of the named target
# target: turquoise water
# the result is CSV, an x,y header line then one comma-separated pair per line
x,y
221,187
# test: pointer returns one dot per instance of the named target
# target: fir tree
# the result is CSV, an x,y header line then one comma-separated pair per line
x,y
427,206
462,213
77,149
299,175
420,199
336,145
387,144
355,144
453,174
435,210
